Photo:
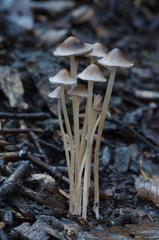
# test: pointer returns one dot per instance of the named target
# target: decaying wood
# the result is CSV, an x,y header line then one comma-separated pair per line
x,y
10,184
148,190
53,171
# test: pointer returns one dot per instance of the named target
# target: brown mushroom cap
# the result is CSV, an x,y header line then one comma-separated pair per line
x,y
55,93
92,73
79,91
98,50
115,58
72,46
63,77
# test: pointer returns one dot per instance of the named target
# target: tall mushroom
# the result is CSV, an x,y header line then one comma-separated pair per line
x,y
63,78
71,48
113,59
91,74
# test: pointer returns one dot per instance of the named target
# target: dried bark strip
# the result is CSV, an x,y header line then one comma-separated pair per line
x,y
148,190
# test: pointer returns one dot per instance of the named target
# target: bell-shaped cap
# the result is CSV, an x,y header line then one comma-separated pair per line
x,y
98,50
79,91
92,73
115,58
72,46
63,77
55,93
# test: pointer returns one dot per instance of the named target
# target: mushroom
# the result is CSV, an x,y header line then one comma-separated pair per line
x,y
91,74
72,47
63,77
56,95
78,92
113,59
98,51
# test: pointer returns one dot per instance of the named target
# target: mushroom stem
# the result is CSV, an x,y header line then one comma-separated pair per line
x,y
79,190
75,107
63,137
89,152
81,156
69,131
76,104
83,134
98,141
73,66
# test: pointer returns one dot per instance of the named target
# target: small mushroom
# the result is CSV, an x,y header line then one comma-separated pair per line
x,y
113,59
56,94
98,51
72,47
91,74
63,77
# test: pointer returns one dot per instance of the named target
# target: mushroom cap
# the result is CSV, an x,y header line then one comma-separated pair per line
x,y
115,58
80,91
92,73
98,50
72,46
55,93
63,77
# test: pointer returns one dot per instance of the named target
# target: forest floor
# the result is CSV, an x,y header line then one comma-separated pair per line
x,y
32,164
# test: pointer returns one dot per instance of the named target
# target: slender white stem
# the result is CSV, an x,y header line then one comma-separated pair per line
x,y
86,152
79,189
73,66
98,141
89,153
81,156
71,142
73,71
77,209
83,134
64,137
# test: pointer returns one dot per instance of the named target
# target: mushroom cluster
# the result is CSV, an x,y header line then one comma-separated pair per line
x,y
79,137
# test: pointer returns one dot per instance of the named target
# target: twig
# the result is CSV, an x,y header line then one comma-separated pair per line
x,y
53,171
19,131
26,116
35,139
51,145
134,132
